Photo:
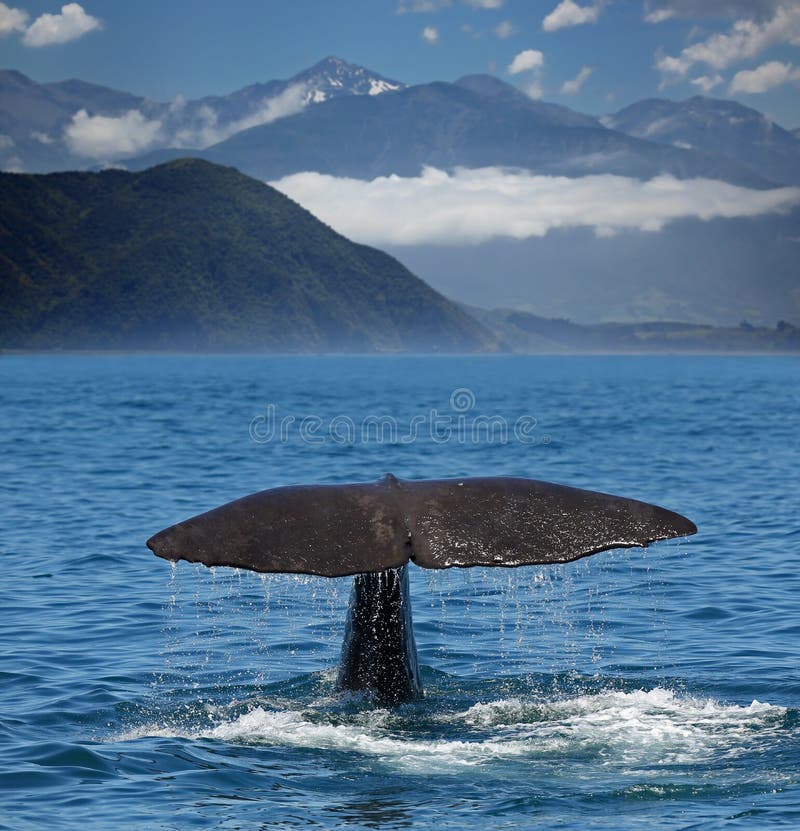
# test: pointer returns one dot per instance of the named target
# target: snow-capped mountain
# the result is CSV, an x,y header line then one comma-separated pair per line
x,y
73,124
476,122
333,77
346,121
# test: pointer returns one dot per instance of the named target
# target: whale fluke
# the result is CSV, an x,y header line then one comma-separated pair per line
x,y
374,530
336,530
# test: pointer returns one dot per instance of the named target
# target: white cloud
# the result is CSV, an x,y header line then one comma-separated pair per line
x,y
573,87
114,137
72,23
659,15
422,6
534,90
42,138
430,34
290,102
12,20
105,137
504,29
745,39
530,60
485,4
473,206
765,77
202,130
525,61
569,13
707,82
694,9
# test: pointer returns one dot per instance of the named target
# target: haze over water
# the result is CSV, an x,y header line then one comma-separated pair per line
x,y
634,689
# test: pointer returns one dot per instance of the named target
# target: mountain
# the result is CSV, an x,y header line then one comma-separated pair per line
x,y
473,123
332,78
491,87
724,128
345,120
33,118
270,129
194,256
45,127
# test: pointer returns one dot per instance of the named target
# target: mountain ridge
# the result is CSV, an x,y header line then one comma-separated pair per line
x,y
39,118
446,126
716,125
51,140
195,256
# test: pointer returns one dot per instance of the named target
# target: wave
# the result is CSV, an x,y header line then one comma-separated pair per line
x,y
636,728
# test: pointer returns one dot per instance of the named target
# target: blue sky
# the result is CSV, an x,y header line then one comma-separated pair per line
x,y
613,51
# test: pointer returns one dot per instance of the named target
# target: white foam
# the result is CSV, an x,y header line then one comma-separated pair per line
x,y
617,728
655,726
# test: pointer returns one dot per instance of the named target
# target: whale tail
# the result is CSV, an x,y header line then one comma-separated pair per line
x,y
336,530
373,531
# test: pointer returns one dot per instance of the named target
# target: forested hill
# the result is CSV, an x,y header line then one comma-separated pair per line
x,y
190,255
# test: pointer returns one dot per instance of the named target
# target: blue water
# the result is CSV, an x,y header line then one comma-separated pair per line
x,y
633,689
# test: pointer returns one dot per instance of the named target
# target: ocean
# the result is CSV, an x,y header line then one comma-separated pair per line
x,y
636,689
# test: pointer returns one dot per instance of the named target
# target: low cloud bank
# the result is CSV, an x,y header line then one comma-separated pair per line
x,y
103,137
117,137
474,206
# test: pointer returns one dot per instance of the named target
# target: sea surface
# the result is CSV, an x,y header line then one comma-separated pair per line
x,y
638,689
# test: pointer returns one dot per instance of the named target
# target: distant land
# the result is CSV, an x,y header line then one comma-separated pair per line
x,y
527,333
194,256
340,120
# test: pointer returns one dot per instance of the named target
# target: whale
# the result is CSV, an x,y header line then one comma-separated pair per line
x,y
376,531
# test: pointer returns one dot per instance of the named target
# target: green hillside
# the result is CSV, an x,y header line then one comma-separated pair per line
x,y
190,255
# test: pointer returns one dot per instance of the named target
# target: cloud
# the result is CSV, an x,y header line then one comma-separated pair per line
x,y
534,90
485,4
530,60
725,9
473,206
745,39
42,138
504,29
569,13
525,61
659,16
764,77
707,82
289,102
430,34
72,23
422,6
12,20
573,87
106,137
113,137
